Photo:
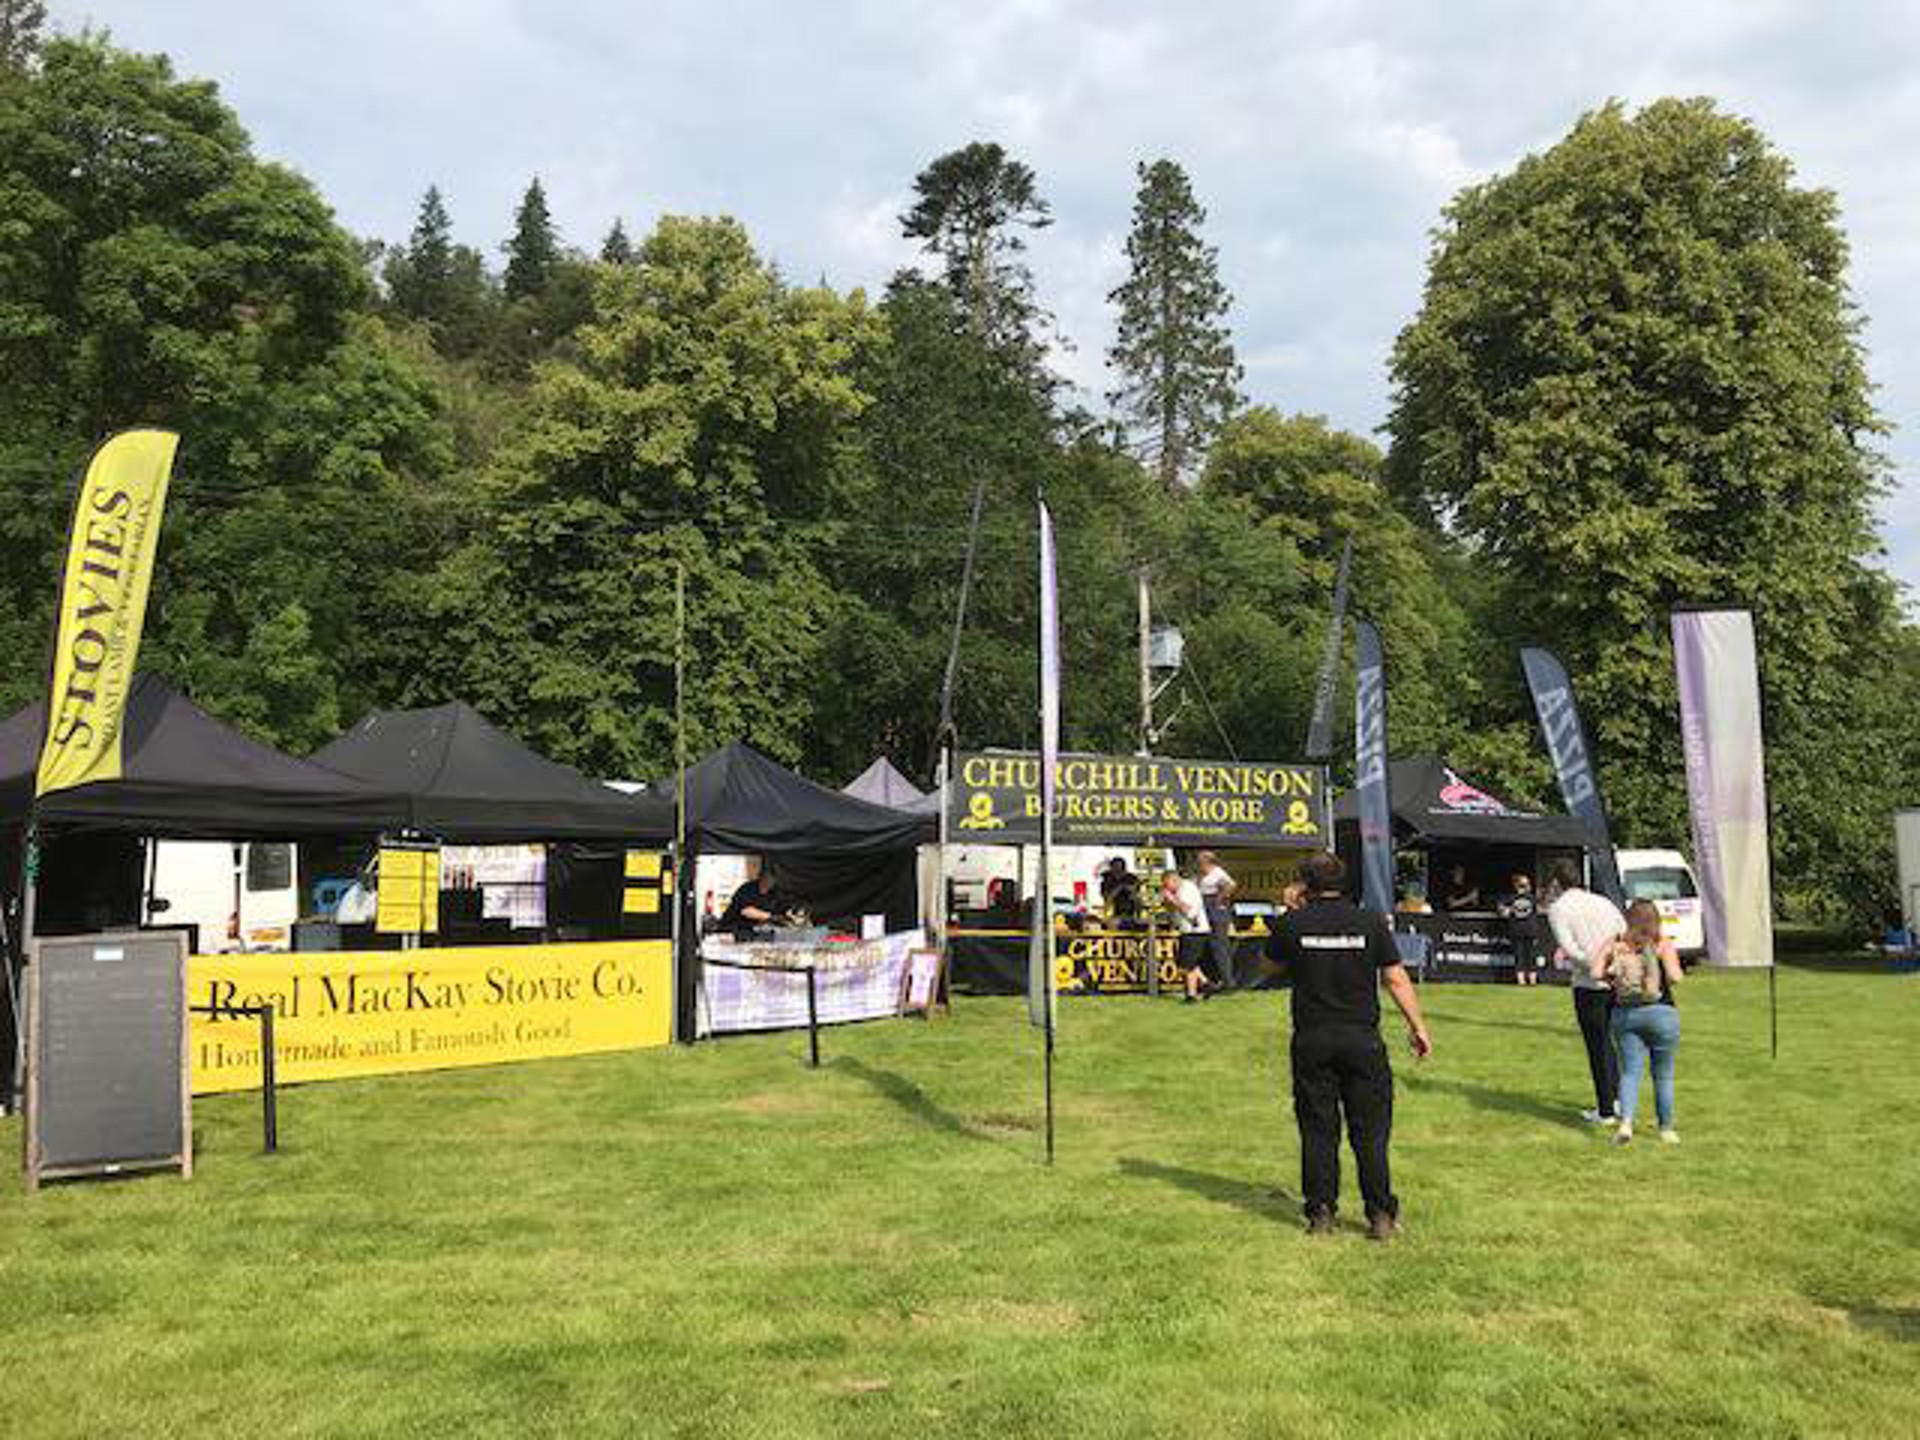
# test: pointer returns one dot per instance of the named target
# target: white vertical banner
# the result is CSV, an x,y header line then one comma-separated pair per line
x,y
1042,992
1718,671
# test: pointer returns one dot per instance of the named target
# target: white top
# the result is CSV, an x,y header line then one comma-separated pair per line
x,y
1213,881
1582,924
1189,912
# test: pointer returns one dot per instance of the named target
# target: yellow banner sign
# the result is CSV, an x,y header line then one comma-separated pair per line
x,y
339,1013
103,605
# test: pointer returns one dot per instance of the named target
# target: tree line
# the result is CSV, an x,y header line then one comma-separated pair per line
x,y
409,472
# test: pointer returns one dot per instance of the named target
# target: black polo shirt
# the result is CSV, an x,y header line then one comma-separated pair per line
x,y
1335,952
769,900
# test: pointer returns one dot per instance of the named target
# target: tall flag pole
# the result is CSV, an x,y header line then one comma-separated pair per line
x,y
103,609
1320,731
1042,990
1717,666
1572,754
1370,771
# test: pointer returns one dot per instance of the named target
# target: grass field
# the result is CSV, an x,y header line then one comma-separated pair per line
x,y
719,1242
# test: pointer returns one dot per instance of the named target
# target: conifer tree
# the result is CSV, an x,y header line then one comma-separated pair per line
x,y
617,249
973,203
1179,380
421,282
534,248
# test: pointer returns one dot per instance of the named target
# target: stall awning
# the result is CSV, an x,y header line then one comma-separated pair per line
x,y
464,778
1431,802
739,800
883,784
186,775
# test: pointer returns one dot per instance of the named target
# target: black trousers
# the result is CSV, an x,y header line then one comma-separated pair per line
x,y
1594,1010
1343,1070
1220,940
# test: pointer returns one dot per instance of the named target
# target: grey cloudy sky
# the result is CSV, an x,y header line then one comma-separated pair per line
x,y
1324,137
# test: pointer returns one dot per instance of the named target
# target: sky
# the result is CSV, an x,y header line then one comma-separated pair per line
x,y
1324,138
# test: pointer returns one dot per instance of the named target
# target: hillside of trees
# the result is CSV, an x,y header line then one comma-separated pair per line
x,y
411,470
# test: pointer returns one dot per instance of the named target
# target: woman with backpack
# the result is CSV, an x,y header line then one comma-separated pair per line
x,y
1641,968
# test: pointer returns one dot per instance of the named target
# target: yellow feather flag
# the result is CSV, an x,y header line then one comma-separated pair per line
x,y
103,605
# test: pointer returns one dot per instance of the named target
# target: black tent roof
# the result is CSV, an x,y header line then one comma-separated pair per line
x,y
186,775
1432,802
464,778
739,800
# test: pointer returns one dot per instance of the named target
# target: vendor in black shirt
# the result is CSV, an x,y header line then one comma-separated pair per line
x,y
755,905
1339,955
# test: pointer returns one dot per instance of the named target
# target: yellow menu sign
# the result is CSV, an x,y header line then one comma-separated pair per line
x,y
409,893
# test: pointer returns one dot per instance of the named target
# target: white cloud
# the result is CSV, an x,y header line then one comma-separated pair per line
x,y
1323,136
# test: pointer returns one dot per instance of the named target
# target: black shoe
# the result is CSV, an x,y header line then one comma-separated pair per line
x,y
1382,1227
1320,1223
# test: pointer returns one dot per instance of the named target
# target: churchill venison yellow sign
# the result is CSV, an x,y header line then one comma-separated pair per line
x,y
339,1014
103,606
1115,798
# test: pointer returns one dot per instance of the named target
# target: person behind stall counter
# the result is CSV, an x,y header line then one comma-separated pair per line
x,y
756,904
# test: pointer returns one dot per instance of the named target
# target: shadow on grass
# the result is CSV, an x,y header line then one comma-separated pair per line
x,y
1506,1102
1267,1202
909,1097
1447,1017
1896,1322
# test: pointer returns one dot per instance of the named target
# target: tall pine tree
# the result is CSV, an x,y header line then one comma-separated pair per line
x,y
617,249
1179,380
534,248
420,278
973,205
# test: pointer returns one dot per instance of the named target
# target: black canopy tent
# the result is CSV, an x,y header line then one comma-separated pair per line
x,y
1447,821
1435,810
462,778
835,854
185,775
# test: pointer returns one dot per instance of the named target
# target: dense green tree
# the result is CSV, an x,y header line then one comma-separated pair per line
x,y
1179,380
705,419
534,248
1297,488
153,270
971,207
1636,381
617,249
21,24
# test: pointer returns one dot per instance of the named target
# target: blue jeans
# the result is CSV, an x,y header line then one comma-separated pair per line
x,y
1637,1030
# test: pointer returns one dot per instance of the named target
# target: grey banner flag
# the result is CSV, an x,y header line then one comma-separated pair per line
x,y
1572,756
1370,774
1320,731
1718,671
1041,990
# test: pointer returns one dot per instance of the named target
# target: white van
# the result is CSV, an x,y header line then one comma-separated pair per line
x,y
1665,877
242,897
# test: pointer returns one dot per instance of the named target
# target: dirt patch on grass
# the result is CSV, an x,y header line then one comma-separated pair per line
x,y
775,1102
1007,1122
1000,1317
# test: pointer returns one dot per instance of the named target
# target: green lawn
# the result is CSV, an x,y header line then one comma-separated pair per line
x,y
718,1242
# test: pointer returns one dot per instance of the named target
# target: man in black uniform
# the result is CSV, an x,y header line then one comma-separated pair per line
x,y
1339,955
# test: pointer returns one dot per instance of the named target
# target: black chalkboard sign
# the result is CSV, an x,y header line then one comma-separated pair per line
x,y
107,1082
